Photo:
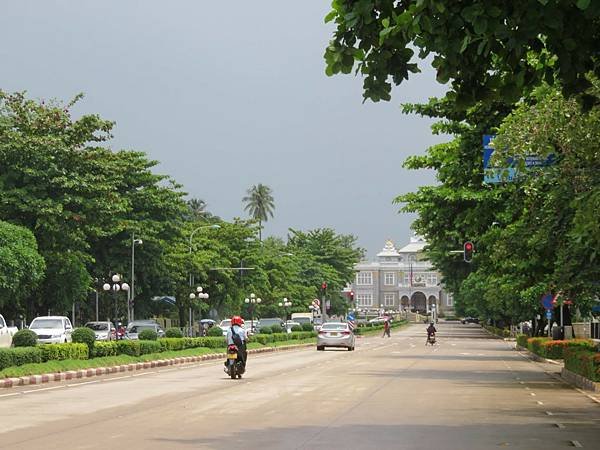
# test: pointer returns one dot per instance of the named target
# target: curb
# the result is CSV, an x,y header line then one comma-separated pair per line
x,y
535,357
99,371
579,380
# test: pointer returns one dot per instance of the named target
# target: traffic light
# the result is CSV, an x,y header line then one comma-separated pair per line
x,y
468,249
324,286
352,296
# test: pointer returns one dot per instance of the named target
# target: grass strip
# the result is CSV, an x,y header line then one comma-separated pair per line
x,y
108,361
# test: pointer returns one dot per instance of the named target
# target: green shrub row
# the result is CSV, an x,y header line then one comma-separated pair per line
x,y
583,361
366,327
500,332
50,352
554,349
522,340
42,353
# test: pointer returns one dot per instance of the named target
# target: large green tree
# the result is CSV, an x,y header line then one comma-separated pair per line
x,y
21,267
81,200
489,49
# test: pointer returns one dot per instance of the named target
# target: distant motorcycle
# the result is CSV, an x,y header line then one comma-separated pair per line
x,y
234,366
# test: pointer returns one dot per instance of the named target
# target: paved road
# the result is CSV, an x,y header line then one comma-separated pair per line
x,y
468,392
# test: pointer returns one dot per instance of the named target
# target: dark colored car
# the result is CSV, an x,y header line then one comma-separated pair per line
x,y
470,320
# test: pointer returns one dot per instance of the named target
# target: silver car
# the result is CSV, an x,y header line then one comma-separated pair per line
x,y
335,334
104,331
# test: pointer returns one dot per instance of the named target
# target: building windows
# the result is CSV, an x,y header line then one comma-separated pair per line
x,y
364,299
388,299
364,278
389,279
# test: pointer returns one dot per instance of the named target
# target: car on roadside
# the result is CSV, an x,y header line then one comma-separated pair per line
x,y
224,326
136,326
465,320
379,320
290,324
6,333
104,330
335,334
134,331
269,322
52,329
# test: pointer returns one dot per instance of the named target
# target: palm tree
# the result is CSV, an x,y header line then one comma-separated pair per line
x,y
197,208
260,204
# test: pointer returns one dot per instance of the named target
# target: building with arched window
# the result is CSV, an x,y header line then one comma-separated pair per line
x,y
401,279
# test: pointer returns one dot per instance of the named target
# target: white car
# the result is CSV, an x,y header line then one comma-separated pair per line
x,y
225,325
52,329
6,333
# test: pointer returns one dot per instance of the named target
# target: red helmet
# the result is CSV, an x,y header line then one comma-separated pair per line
x,y
237,320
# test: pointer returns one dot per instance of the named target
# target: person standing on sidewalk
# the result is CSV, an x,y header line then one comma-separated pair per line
x,y
386,328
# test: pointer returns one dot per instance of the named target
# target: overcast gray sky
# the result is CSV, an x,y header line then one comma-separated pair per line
x,y
226,95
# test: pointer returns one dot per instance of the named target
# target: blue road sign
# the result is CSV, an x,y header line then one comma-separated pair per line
x,y
548,314
547,302
351,317
508,172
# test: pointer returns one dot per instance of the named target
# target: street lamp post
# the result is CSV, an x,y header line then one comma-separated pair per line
x,y
131,299
200,296
116,286
285,303
253,300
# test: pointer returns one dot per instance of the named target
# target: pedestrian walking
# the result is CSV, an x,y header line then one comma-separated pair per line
x,y
386,329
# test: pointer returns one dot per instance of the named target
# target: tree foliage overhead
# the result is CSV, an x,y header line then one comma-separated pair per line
x,y
490,49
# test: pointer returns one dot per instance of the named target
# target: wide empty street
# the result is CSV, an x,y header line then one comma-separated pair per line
x,y
471,391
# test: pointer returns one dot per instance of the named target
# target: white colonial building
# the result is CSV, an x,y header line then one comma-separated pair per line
x,y
400,280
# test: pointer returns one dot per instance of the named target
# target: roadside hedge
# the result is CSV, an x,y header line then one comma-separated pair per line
x,y
522,340
534,345
58,352
366,327
554,349
583,362
19,356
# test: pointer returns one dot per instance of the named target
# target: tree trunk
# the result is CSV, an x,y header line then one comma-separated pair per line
x,y
260,230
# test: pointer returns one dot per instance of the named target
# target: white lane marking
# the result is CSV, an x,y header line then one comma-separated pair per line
x,y
521,382
576,444
82,383
142,374
44,389
560,426
528,388
549,413
10,395
532,394
540,403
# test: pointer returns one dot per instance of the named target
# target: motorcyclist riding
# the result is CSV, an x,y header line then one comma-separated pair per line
x,y
430,333
236,335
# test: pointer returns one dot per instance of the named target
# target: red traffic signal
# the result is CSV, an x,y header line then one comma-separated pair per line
x,y
468,249
324,285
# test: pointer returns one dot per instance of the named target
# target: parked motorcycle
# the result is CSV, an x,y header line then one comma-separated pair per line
x,y
234,366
